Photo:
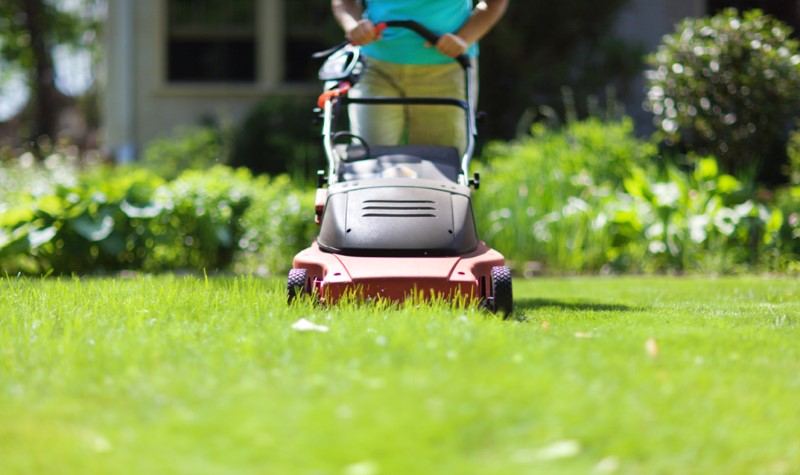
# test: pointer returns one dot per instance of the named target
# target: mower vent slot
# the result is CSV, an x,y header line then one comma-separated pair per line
x,y
430,208
398,209
399,201
391,215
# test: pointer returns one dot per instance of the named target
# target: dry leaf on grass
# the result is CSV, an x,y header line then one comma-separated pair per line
x,y
651,347
304,325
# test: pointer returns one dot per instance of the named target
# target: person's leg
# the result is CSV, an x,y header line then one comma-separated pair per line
x,y
378,125
436,125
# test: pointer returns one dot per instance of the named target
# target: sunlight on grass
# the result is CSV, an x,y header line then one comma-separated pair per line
x,y
187,375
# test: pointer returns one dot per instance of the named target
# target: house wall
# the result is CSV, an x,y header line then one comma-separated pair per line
x,y
645,22
140,105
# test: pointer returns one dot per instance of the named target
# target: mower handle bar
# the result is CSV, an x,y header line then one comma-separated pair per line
x,y
412,25
428,35
424,32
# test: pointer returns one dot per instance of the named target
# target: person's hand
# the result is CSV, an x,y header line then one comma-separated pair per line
x,y
363,33
451,45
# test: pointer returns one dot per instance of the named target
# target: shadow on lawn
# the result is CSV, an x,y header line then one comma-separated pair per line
x,y
538,304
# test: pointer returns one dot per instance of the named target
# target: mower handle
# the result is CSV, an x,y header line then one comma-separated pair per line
x,y
412,25
422,31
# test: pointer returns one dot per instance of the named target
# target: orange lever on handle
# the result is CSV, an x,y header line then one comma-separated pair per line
x,y
339,90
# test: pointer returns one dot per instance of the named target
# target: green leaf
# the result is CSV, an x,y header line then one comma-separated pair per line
x,y
113,245
727,184
15,242
93,230
39,237
706,169
775,221
132,211
16,216
51,205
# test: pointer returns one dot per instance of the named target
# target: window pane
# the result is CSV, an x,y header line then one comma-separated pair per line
x,y
211,41
212,13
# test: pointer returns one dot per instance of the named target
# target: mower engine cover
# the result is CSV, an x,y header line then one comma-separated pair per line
x,y
398,217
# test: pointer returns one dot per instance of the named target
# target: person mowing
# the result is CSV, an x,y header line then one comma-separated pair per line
x,y
401,64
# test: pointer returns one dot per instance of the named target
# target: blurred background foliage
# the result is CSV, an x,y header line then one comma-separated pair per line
x,y
279,136
597,199
728,85
601,201
34,36
703,194
539,48
58,217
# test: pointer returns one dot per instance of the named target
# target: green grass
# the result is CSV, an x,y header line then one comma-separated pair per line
x,y
174,375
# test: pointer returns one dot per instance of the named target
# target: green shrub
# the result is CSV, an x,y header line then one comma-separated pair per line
x,y
549,213
111,219
97,223
793,152
591,199
279,223
788,201
279,136
727,86
200,224
696,221
213,217
188,148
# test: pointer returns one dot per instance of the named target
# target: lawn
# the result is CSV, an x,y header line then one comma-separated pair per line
x,y
186,375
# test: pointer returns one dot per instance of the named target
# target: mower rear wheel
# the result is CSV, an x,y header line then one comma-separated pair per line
x,y
502,291
297,284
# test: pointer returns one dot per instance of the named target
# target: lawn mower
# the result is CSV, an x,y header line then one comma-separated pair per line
x,y
396,221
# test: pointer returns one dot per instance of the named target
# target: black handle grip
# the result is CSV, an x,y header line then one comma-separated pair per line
x,y
426,34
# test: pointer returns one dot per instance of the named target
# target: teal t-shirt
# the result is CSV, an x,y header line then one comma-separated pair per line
x,y
403,46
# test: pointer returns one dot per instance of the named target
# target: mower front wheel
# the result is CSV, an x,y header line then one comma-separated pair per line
x,y
297,284
502,291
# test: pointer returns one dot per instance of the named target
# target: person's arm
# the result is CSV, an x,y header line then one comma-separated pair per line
x,y
485,15
349,15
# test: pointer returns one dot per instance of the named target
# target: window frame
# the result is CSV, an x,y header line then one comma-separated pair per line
x,y
269,67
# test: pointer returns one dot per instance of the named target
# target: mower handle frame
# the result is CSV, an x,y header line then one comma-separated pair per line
x,y
467,104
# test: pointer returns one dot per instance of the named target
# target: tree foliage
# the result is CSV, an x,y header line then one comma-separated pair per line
x,y
727,85
540,47
29,30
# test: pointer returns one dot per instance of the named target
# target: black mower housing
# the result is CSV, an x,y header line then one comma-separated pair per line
x,y
398,217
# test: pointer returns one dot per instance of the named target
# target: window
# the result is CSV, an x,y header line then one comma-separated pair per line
x,y
212,41
310,27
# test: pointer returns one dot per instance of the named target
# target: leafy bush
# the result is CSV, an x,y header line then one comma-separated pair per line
x,y
219,214
727,86
111,219
591,199
793,152
788,201
697,221
79,227
278,224
551,215
189,148
200,224
279,136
